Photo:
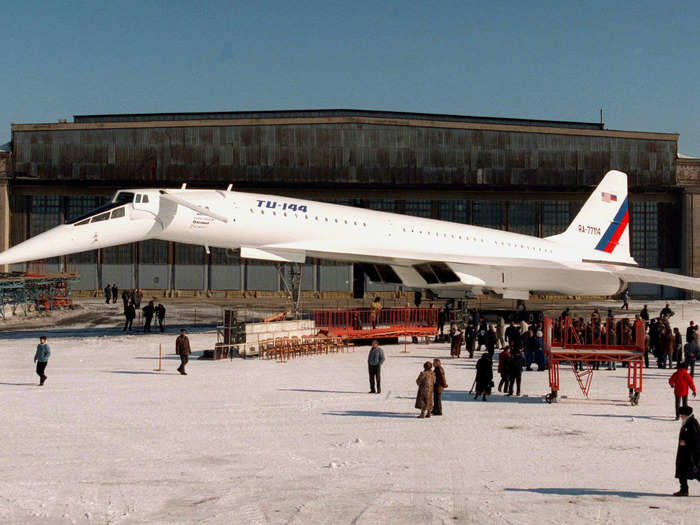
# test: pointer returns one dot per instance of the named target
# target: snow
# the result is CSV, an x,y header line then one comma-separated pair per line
x,y
109,440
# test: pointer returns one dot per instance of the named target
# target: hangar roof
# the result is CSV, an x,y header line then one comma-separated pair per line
x,y
337,116
315,113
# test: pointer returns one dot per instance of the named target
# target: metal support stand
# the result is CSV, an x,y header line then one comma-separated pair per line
x,y
291,283
584,377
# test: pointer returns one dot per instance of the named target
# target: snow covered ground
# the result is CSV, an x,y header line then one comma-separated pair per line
x,y
108,440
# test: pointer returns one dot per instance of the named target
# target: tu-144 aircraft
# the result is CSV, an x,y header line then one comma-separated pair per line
x,y
591,257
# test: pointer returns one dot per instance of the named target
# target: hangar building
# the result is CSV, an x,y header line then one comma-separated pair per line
x,y
527,176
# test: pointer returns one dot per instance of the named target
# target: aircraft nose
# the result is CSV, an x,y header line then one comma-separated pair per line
x,y
51,243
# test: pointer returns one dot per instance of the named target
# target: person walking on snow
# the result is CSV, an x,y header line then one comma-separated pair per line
x,y
41,358
182,348
503,358
681,381
625,300
108,293
375,359
160,314
129,316
688,453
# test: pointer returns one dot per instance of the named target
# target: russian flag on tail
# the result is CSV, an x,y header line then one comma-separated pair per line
x,y
609,197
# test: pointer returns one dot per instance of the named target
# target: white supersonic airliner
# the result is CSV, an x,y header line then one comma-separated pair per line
x,y
591,257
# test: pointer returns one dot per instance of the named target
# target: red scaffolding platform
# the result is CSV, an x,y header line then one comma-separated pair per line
x,y
617,340
357,324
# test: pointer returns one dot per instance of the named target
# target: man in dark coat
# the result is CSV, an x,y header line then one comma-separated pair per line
x,y
484,376
108,293
148,312
491,340
515,371
644,314
691,351
375,359
666,312
513,336
182,348
160,314
115,292
126,297
688,454
469,336
691,332
440,385
129,316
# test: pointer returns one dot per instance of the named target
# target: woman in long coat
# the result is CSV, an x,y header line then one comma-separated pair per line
x,y
688,455
440,385
425,382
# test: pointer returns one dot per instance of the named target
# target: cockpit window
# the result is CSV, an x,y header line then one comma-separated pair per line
x,y
138,198
122,197
119,212
119,199
145,198
100,217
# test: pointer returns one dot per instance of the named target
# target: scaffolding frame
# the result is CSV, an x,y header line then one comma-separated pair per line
x,y
34,291
600,341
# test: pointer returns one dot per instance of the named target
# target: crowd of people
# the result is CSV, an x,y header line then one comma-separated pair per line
x,y
131,300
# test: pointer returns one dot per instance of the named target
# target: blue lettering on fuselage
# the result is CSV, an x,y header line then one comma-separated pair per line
x,y
291,206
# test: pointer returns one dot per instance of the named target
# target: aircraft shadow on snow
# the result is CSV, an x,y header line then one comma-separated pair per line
x,y
628,416
321,391
576,491
369,413
497,397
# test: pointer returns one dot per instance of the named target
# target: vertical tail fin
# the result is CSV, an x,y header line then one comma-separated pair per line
x,y
601,227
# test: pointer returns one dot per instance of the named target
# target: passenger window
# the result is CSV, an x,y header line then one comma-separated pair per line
x,y
100,217
145,198
119,212
138,198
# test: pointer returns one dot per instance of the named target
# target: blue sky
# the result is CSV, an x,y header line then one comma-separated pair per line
x,y
548,60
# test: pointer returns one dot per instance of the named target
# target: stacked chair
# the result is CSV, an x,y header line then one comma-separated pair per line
x,y
284,348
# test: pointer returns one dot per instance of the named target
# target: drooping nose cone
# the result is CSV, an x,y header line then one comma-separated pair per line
x,y
54,242
83,236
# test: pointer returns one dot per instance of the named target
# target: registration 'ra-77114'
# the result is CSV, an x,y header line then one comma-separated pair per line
x,y
591,230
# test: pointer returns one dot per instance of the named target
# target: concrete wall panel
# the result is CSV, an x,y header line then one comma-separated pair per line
x,y
225,277
122,274
190,277
154,276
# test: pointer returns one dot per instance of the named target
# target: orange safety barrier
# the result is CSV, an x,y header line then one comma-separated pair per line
x,y
361,323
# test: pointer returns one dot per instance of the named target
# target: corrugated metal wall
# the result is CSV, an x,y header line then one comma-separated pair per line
x,y
339,154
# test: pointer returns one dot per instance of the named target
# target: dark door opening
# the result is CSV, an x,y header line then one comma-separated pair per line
x,y
358,281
